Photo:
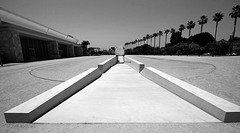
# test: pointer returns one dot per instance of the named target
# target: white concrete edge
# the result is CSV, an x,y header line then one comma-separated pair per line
x,y
32,109
214,105
136,65
104,66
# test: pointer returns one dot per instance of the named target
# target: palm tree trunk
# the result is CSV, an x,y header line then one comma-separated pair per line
x,y
189,32
159,41
201,28
151,41
234,29
166,40
154,41
216,31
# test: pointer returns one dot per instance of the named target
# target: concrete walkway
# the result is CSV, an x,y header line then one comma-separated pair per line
x,y
122,95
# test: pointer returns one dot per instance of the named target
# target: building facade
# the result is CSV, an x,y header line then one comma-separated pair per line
x,y
23,40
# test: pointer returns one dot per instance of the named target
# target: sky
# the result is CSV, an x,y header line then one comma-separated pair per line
x,y
110,23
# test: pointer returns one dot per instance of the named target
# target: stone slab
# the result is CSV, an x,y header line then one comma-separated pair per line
x,y
104,66
216,106
122,95
32,109
136,65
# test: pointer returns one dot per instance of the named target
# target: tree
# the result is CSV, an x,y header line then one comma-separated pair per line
x,y
112,50
181,28
140,42
147,37
160,33
202,39
203,20
234,14
190,26
144,39
154,36
151,36
166,32
84,45
217,18
135,42
172,31
175,38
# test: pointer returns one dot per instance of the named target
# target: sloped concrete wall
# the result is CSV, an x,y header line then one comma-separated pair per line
x,y
32,109
104,66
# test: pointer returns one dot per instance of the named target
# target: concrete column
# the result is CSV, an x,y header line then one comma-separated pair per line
x,y
10,46
70,51
78,50
53,50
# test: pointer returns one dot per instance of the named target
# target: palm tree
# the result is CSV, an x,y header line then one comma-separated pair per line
x,y
151,36
144,39
181,28
135,43
147,37
203,20
234,14
190,26
155,35
160,33
166,32
217,17
172,30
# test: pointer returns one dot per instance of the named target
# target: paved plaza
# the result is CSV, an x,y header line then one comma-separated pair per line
x,y
218,75
122,95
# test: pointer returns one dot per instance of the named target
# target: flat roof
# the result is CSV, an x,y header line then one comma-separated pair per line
x,y
15,19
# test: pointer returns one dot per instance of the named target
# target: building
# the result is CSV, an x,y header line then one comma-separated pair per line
x,y
23,40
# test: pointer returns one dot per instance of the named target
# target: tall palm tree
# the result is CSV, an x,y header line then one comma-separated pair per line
x,y
151,36
190,26
181,28
160,33
166,32
217,18
147,37
144,39
172,30
135,43
154,36
203,20
234,14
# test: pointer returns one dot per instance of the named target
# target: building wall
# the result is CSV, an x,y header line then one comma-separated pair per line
x,y
10,46
70,51
53,50
78,51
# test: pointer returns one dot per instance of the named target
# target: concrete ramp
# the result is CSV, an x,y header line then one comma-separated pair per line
x,y
122,95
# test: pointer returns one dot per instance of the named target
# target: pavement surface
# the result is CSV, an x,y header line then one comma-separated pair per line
x,y
18,84
218,75
122,95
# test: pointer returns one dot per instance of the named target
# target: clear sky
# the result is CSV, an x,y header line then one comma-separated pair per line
x,y
106,23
